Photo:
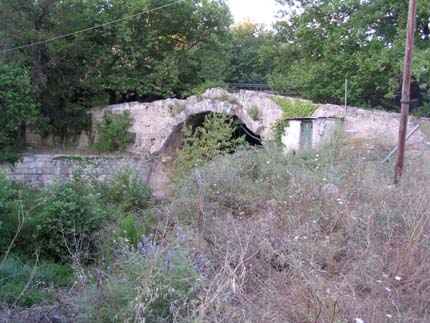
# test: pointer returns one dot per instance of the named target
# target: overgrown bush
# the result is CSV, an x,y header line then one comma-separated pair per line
x,y
149,282
214,137
127,189
69,223
15,203
112,131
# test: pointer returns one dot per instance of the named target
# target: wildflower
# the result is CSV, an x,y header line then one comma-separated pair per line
x,y
398,278
180,231
141,248
168,260
57,318
388,289
200,263
389,316
379,281
358,320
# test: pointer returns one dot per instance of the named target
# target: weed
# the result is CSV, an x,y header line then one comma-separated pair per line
x,y
229,99
254,112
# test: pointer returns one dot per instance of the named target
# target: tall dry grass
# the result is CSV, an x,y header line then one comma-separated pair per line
x,y
322,236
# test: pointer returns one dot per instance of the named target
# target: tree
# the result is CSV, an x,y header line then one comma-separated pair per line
x,y
324,42
251,49
159,54
17,108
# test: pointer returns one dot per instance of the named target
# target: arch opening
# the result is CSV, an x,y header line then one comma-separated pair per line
x,y
176,139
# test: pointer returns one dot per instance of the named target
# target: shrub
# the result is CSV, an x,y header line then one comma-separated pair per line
x,y
254,112
15,201
113,134
9,208
69,223
149,282
214,137
127,189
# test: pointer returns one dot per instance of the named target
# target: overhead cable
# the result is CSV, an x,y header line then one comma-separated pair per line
x,y
91,28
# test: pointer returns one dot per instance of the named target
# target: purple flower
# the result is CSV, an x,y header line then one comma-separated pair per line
x,y
168,259
146,242
141,248
109,269
180,234
200,263
57,318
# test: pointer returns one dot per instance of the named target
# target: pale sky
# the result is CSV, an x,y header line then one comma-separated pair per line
x,y
261,11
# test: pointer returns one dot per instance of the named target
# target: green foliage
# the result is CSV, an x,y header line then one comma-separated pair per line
x,y
252,49
112,131
326,42
290,109
131,226
127,189
14,202
16,273
213,138
17,107
69,222
162,54
199,90
254,112
163,280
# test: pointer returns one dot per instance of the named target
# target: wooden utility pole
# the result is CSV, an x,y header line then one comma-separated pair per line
x,y
406,89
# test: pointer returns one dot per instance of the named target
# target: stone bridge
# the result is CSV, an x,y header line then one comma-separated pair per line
x,y
158,125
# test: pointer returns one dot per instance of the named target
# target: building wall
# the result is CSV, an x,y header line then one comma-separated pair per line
x,y
291,137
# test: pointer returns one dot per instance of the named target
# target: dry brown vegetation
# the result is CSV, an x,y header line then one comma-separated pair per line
x,y
322,236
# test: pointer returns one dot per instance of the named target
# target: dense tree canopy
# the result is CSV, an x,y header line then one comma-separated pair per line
x,y
16,108
325,42
159,54
250,56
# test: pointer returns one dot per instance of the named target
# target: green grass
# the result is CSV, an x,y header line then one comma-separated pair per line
x,y
16,273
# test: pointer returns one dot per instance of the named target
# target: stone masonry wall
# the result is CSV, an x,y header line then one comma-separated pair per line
x,y
377,125
41,170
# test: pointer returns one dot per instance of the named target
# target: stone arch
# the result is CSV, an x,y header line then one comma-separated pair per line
x,y
247,127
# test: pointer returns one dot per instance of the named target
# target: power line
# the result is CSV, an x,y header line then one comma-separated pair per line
x,y
91,28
